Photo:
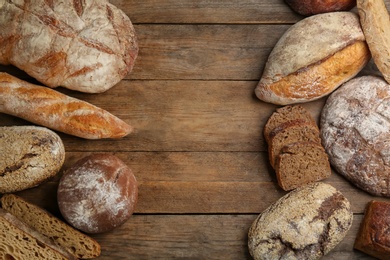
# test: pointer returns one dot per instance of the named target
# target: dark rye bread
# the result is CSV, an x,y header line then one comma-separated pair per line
x,y
301,163
286,114
291,132
18,241
77,243
374,234
306,223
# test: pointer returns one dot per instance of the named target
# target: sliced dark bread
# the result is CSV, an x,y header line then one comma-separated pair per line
x,y
301,163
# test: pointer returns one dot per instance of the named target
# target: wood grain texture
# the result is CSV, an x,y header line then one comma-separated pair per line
x,y
197,150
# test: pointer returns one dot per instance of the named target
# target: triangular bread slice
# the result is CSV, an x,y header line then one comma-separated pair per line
x,y
286,114
301,163
77,243
291,132
19,241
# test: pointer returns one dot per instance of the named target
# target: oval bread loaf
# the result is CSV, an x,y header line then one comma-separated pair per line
x,y
306,223
355,132
98,193
29,156
312,58
84,45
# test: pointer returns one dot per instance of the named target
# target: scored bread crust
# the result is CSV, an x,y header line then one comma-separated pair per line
x,y
84,45
50,108
355,132
297,70
18,241
29,156
77,243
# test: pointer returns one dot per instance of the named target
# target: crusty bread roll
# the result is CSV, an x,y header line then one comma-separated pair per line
x,y
98,193
355,132
310,7
375,21
373,237
75,242
50,108
29,156
312,58
18,241
306,223
87,45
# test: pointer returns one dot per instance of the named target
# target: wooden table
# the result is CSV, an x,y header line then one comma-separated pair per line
x,y
198,151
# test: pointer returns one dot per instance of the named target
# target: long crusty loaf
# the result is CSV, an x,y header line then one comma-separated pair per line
x,y
84,45
50,108
18,241
29,156
77,243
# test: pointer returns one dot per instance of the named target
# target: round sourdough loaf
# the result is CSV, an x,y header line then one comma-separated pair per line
x,y
303,68
306,223
98,193
355,132
310,7
29,156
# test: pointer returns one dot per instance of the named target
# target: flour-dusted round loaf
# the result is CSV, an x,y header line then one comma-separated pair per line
x,y
305,224
98,193
29,155
355,132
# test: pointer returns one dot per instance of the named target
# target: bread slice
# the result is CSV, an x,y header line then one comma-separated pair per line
x,y
18,241
301,163
285,114
77,243
291,132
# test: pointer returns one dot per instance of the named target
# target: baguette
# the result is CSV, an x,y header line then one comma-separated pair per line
x,y
375,21
18,241
50,108
84,45
77,243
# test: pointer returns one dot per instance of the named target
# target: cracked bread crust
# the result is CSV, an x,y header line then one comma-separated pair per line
x,y
355,132
29,156
306,223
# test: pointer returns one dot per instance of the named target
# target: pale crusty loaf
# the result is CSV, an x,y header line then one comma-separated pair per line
x,y
18,241
50,108
77,243
301,163
291,132
29,156
355,132
373,237
313,58
286,114
84,45
307,223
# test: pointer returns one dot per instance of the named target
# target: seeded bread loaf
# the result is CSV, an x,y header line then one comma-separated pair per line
x,y
18,241
301,163
29,156
291,132
373,237
307,223
84,45
77,243
286,114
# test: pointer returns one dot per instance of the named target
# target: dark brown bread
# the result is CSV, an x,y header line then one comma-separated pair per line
x,y
301,163
77,243
310,7
291,132
18,241
374,234
286,114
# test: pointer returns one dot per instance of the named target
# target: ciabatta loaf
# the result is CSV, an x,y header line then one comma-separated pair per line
x,y
50,108
29,156
18,241
77,243
84,45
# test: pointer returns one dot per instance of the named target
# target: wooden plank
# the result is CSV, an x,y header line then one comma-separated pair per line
x,y
214,11
196,237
